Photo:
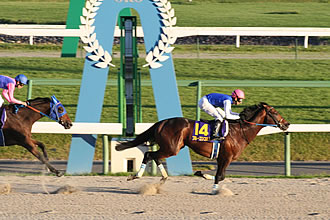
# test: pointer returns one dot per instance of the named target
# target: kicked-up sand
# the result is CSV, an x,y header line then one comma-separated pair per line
x,y
97,197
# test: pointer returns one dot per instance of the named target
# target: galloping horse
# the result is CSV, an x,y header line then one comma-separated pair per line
x,y
18,125
173,134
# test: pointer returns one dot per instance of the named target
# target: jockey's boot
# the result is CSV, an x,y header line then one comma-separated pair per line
x,y
216,129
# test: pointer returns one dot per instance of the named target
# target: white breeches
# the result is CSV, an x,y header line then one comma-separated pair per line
x,y
1,101
216,113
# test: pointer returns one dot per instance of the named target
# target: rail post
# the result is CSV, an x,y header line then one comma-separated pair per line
x,y
29,92
238,39
153,165
287,154
105,154
198,97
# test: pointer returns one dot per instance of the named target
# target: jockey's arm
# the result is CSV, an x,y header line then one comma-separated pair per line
x,y
9,94
229,114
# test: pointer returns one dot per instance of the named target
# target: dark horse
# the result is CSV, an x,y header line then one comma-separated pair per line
x,y
18,125
173,134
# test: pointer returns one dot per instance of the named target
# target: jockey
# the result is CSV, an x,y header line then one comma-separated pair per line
x,y
9,84
213,102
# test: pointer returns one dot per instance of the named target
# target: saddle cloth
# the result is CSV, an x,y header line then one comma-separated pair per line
x,y
202,130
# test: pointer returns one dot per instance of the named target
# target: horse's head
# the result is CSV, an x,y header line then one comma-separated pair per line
x,y
51,108
273,117
59,114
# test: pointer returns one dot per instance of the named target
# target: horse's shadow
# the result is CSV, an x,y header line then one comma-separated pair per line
x,y
115,190
201,193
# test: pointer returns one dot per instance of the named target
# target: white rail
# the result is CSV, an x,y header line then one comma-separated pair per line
x,y
61,31
116,128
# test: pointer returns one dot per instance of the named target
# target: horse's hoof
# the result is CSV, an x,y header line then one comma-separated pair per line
x,y
208,176
163,180
59,173
132,177
198,173
215,192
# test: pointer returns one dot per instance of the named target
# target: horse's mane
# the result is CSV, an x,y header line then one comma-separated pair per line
x,y
251,111
39,100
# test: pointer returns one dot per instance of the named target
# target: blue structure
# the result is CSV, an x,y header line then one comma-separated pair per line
x,y
94,83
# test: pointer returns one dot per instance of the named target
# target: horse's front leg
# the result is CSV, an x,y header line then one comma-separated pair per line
x,y
32,148
220,175
42,147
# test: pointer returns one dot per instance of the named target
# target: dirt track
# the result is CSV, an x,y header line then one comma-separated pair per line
x,y
98,197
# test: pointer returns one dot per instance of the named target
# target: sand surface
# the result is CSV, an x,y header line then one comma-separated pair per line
x,y
96,197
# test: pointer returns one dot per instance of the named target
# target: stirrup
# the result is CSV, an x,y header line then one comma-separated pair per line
x,y
217,138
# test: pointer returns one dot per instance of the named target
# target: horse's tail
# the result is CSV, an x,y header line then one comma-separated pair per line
x,y
147,135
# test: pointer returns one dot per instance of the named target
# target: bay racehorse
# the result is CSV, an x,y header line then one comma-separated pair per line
x,y
173,134
17,127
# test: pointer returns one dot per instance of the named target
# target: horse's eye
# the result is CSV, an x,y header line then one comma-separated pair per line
x,y
60,110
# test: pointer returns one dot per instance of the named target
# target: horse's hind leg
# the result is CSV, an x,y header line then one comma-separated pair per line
x,y
32,148
139,174
148,156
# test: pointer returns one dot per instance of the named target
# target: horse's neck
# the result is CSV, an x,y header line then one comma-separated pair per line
x,y
251,130
44,108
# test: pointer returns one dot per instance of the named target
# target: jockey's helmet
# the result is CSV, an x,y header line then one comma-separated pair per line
x,y
239,94
21,78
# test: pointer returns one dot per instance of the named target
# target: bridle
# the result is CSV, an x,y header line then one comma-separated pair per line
x,y
277,123
54,114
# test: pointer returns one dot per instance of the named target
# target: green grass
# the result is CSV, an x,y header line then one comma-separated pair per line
x,y
298,105
195,14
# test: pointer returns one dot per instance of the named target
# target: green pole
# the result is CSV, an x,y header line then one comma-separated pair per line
x,y
105,154
139,94
287,154
70,44
154,165
198,97
121,97
29,93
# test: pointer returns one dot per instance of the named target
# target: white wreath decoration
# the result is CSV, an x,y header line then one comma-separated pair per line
x,y
89,37
104,58
167,37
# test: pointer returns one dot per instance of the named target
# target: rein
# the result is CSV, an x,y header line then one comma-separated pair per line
x,y
252,123
41,113
265,125
278,123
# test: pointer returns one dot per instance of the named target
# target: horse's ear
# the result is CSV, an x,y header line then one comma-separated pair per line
x,y
263,104
54,99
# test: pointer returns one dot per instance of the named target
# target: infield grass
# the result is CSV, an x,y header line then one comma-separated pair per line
x,y
298,105
197,13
